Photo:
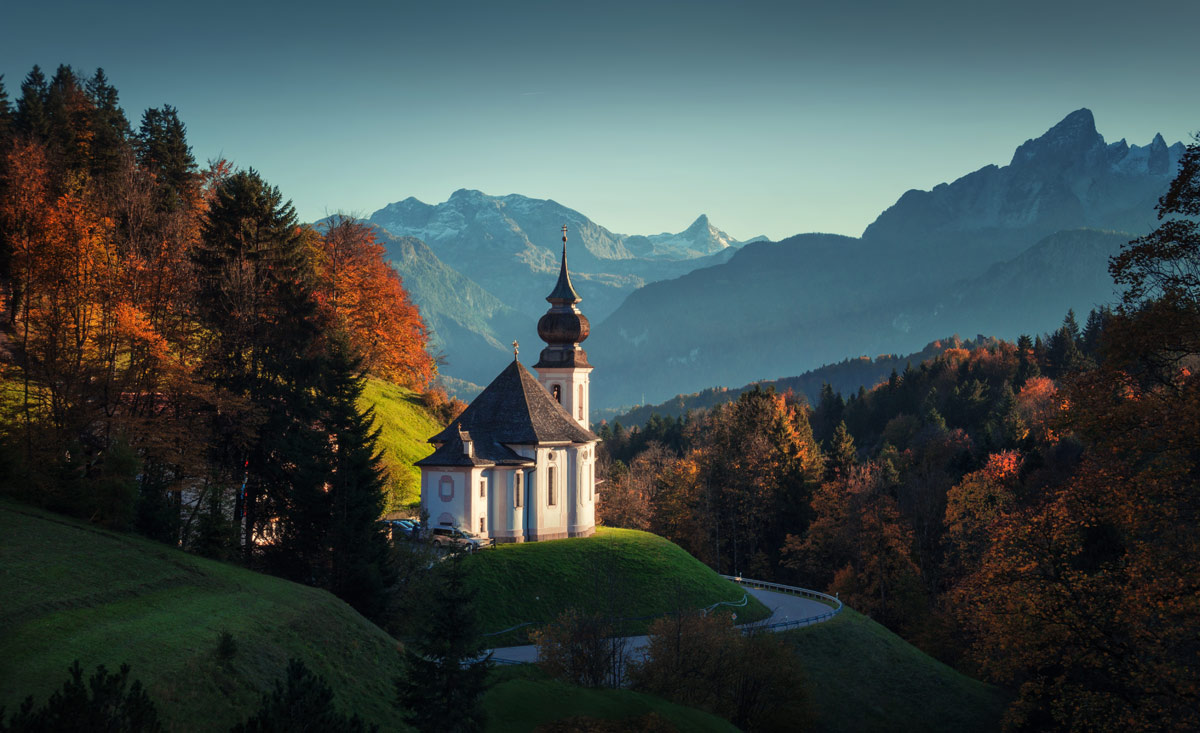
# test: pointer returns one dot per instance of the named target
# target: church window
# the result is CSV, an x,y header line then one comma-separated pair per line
x,y
518,488
446,488
482,488
580,402
557,391
482,525
551,486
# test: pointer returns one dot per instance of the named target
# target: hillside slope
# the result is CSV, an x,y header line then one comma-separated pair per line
x,y
621,573
405,426
70,591
864,678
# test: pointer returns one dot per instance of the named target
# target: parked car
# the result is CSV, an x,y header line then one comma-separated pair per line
x,y
454,537
399,528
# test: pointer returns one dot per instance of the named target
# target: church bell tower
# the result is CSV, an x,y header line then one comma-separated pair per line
x,y
563,367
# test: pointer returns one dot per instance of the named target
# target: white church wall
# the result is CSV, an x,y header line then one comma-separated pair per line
x,y
444,497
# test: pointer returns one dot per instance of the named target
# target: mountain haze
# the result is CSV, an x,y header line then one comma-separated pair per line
x,y
479,267
1001,251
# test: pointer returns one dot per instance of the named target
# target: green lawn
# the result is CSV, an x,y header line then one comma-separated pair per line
x,y
523,698
862,677
617,572
405,426
70,591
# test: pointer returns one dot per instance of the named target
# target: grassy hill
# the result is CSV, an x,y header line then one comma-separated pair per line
x,y
71,591
862,678
617,572
523,698
405,426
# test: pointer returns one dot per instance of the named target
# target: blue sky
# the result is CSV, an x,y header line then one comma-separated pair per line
x,y
772,118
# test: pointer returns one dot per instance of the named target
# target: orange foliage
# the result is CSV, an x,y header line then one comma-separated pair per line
x,y
362,296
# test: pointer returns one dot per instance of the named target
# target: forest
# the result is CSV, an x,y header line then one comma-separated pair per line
x,y
184,358
1026,512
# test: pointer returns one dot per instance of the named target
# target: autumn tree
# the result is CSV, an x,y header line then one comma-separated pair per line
x,y
362,298
859,547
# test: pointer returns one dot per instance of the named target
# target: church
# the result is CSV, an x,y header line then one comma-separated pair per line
x,y
519,464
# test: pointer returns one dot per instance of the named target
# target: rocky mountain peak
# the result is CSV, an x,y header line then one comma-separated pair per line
x,y
1075,135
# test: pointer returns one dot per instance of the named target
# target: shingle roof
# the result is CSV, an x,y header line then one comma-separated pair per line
x,y
514,410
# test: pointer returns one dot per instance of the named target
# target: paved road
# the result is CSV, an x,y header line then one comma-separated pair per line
x,y
784,607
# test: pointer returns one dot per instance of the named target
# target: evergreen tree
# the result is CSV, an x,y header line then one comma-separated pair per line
x,y
6,118
109,127
445,679
30,118
69,112
304,703
103,703
358,550
842,453
163,151
1089,344
255,298
1027,363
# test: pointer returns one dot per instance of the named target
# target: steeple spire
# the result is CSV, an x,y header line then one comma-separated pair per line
x,y
563,293
563,327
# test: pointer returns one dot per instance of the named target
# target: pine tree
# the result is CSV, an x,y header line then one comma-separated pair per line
x,y
255,298
31,118
163,151
358,550
842,453
445,678
109,127
6,118
304,703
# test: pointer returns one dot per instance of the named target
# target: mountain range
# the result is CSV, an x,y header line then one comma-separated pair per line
x,y
1000,251
503,254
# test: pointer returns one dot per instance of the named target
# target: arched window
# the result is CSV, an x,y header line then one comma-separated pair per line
x,y
556,390
446,488
446,519
552,485
482,526
580,403
518,488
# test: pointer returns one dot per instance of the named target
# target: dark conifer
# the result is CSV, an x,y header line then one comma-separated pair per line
x,y
31,118
162,150
445,679
6,117
303,703
358,549
255,297
110,128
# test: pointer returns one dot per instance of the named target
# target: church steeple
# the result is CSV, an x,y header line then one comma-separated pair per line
x,y
563,327
563,366
563,293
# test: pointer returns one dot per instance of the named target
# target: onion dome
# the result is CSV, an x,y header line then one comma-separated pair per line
x,y
563,327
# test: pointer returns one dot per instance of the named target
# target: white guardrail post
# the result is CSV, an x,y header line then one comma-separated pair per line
x,y
832,601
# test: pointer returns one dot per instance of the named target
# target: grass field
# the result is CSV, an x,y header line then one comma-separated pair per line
x,y
523,698
70,591
620,573
405,426
862,677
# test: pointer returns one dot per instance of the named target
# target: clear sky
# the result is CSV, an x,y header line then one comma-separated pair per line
x,y
772,118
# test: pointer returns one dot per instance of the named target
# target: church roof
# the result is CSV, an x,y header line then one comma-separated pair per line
x,y
513,410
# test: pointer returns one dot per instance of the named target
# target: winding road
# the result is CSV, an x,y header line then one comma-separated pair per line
x,y
785,608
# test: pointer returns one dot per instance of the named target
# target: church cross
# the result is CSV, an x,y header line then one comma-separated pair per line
x,y
516,349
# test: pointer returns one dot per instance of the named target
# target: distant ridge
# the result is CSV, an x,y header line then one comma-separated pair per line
x,y
1044,225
